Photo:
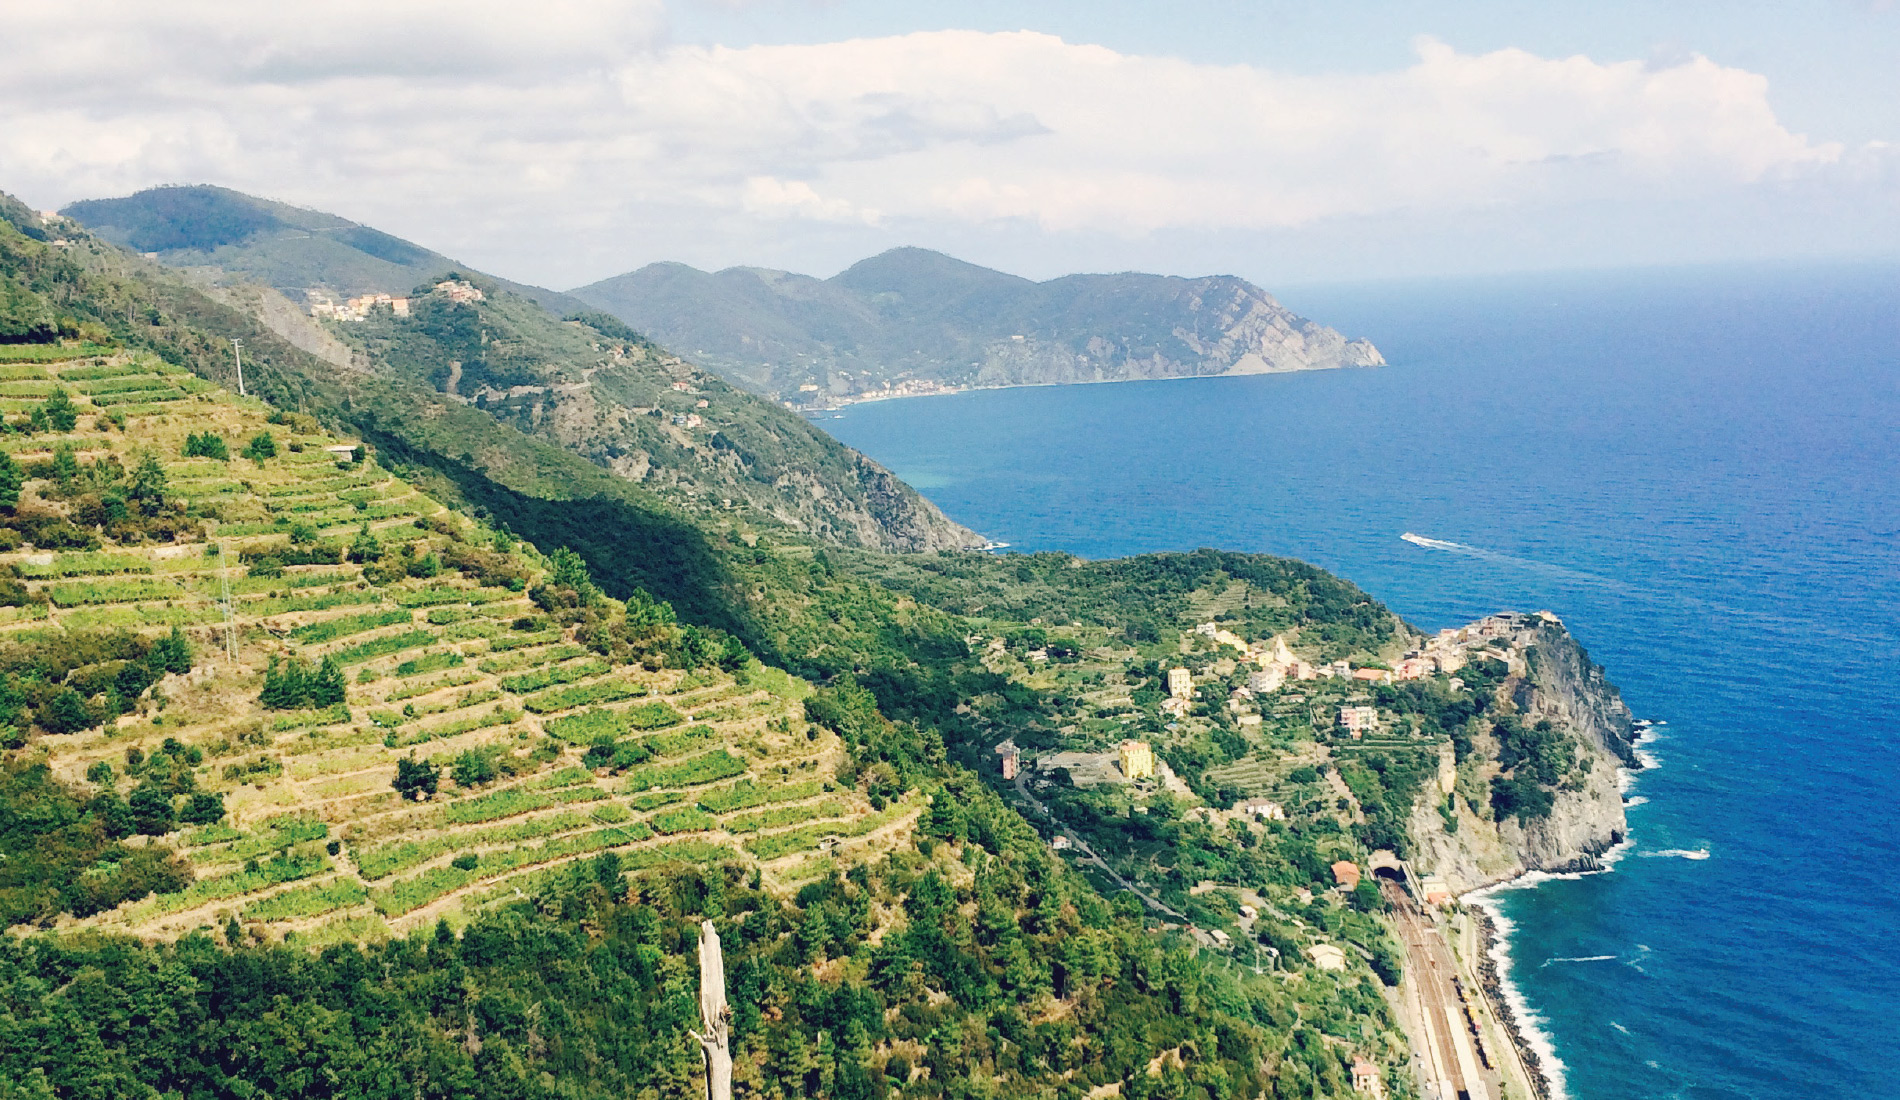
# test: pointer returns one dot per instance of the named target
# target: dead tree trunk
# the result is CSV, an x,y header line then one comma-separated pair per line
x,y
715,1016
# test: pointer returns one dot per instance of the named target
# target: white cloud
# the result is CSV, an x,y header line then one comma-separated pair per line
x,y
563,140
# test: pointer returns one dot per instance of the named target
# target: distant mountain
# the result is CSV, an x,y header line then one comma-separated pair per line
x,y
912,320
286,247
585,384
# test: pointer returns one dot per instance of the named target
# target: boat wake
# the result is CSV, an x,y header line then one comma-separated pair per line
x,y
1580,959
1679,853
1494,556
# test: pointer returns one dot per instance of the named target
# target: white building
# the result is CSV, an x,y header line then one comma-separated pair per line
x,y
1359,719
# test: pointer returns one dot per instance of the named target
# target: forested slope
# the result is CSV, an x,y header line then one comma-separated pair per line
x,y
903,931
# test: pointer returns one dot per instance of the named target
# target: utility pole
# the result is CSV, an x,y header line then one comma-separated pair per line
x,y
230,625
715,1016
237,349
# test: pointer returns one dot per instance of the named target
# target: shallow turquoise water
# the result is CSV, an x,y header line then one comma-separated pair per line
x,y
1700,472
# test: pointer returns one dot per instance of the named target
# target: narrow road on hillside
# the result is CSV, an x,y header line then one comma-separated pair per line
x,y
1089,855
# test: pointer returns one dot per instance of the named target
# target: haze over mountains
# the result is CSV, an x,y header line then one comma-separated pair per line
x,y
907,321
912,320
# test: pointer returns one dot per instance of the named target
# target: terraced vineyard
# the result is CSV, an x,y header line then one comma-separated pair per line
x,y
298,571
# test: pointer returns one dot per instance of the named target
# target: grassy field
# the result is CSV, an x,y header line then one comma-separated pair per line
x,y
438,668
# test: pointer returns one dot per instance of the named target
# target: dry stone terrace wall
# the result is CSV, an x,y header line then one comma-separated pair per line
x,y
706,764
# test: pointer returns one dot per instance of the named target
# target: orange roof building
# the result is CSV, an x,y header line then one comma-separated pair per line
x,y
1346,873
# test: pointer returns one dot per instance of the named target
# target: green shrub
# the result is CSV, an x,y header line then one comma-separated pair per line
x,y
578,695
712,767
686,819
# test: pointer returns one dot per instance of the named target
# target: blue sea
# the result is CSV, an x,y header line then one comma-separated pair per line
x,y
1699,471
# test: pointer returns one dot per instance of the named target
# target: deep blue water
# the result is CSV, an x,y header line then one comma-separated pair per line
x,y
1700,472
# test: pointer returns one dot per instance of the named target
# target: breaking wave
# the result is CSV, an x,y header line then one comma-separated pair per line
x,y
1529,1024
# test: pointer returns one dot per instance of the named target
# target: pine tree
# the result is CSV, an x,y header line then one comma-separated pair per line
x,y
367,547
326,687
148,485
286,685
11,478
66,713
61,414
65,464
172,653
207,445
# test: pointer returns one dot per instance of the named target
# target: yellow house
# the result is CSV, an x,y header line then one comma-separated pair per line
x,y
1137,760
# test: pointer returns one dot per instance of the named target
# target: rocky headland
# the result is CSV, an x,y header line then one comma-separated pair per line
x,y
1552,679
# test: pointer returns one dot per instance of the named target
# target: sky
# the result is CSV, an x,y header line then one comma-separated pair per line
x,y
569,140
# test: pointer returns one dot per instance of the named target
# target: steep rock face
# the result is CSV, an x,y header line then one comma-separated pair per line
x,y
1553,679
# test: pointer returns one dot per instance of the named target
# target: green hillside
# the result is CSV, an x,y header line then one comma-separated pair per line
x,y
911,319
600,390
233,879
510,677
287,247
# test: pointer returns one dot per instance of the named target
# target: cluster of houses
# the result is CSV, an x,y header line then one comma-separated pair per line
x,y
1275,665
357,308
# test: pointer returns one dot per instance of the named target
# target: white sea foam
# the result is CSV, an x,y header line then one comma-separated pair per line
x,y
1529,1024
1579,959
1680,853
1616,852
1619,1027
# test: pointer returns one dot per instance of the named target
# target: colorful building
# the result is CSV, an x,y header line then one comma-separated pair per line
x,y
1137,760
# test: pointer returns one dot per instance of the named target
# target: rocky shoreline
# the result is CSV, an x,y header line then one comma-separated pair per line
x,y
1493,982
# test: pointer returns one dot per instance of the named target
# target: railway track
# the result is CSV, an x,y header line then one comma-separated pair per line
x,y
1457,1066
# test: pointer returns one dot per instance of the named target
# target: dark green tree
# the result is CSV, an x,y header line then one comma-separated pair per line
x,y
472,768
263,445
11,479
286,684
326,688
415,778
147,488
207,445
367,547
151,811
65,465
172,653
61,414
202,809
66,712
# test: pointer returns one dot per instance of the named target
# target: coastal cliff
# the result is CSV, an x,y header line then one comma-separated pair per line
x,y
912,321
1552,680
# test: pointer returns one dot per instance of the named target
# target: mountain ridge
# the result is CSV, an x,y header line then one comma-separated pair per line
x,y
652,419
912,320
294,249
